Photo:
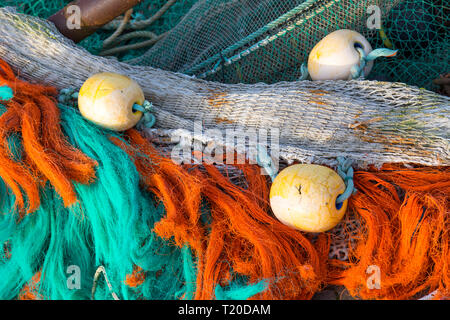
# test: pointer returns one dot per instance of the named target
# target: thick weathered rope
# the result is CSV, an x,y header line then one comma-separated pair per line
x,y
357,71
135,24
127,21
119,30
134,46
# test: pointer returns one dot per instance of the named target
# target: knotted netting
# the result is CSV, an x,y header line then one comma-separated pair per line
x,y
266,41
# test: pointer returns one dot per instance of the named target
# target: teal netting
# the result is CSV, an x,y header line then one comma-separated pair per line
x,y
110,226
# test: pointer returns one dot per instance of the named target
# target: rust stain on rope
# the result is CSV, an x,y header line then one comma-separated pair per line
x,y
223,120
319,92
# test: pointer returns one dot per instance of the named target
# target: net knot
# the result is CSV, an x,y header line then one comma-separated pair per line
x,y
6,93
148,119
345,171
357,71
98,272
68,96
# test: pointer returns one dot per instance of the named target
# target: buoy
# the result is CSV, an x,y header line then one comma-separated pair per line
x,y
333,57
107,100
303,196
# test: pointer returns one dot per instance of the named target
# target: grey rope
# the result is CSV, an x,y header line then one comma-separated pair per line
x,y
134,46
135,25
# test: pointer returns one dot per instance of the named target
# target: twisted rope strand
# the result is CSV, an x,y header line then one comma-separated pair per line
x,y
119,30
135,25
134,46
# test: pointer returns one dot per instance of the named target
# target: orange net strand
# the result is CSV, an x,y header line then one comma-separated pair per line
x,y
47,155
242,236
404,232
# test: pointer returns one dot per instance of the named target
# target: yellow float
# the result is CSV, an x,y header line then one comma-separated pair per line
x,y
333,57
107,100
303,196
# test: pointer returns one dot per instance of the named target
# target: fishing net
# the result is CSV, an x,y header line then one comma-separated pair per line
x,y
252,41
94,43
369,122
267,40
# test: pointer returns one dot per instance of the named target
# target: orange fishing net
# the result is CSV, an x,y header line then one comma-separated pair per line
x,y
404,230
405,233
403,213
34,116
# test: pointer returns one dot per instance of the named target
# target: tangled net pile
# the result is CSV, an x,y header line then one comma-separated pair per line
x,y
164,231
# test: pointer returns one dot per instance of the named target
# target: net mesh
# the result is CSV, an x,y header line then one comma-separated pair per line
x,y
253,41
94,43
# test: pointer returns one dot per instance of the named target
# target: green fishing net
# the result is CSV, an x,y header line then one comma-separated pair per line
x,y
267,40
94,43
